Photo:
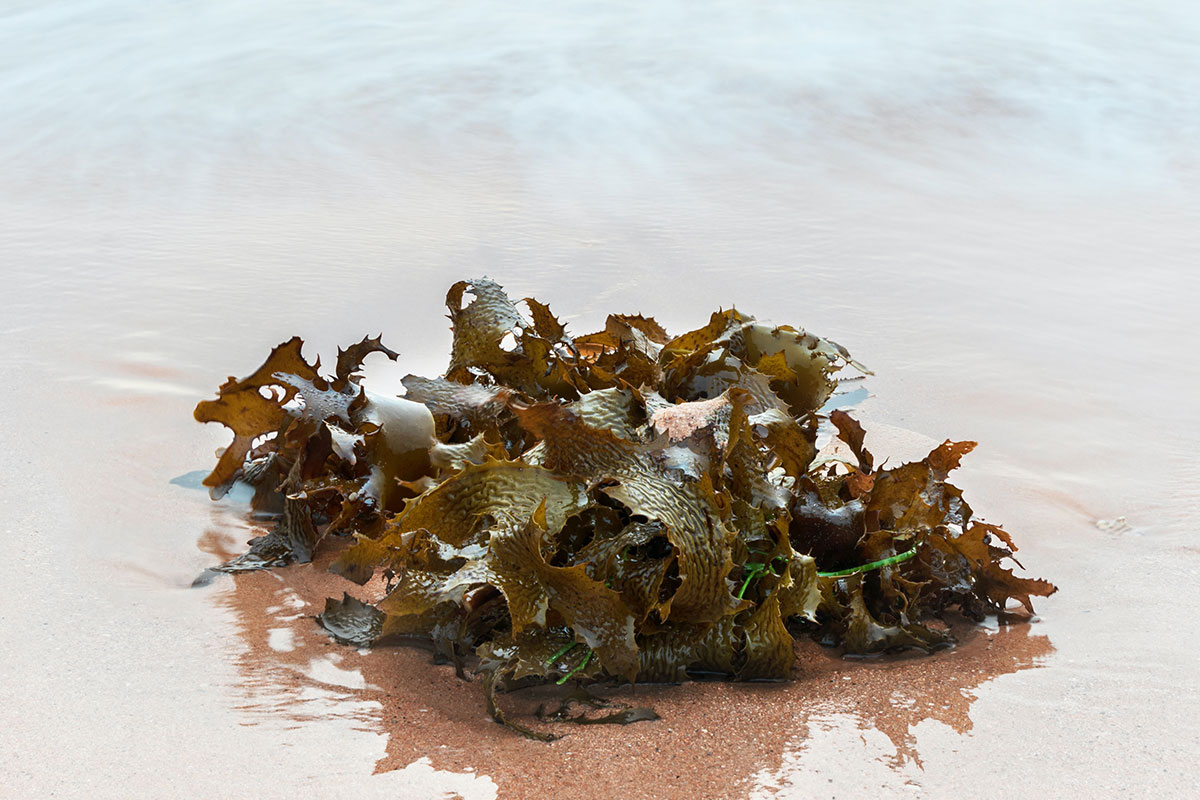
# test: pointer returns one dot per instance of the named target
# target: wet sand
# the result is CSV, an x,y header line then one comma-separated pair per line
x,y
123,676
997,214
715,739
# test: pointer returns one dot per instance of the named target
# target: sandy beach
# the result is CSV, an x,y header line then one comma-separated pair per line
x,y
997,215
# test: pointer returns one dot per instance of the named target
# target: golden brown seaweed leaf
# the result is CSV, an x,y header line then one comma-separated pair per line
x,y
474,403
479,327
460,510
533,588
688,510
242,407
616,506
349,361
769,651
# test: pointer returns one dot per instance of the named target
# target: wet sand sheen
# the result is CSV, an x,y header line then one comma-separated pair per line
x,y
714,737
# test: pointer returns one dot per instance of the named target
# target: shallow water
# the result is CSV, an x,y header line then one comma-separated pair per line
x,y
996,209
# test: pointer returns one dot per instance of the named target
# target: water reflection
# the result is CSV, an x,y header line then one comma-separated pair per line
x,y
290,670
713,736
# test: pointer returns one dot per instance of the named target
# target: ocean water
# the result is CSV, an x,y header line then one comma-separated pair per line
x,y
158,99
995,205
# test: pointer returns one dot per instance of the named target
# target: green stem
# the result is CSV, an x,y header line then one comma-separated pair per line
x,y
562,651
750,575
582,664
754,569
883,562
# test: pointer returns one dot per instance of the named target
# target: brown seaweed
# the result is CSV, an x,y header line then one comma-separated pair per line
x,y
619,506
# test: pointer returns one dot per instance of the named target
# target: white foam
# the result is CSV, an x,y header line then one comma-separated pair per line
x,y
281,640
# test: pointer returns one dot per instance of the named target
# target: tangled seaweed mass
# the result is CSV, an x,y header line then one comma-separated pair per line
x,y
621,506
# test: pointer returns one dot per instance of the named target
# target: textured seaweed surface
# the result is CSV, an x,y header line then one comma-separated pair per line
x,y
620,506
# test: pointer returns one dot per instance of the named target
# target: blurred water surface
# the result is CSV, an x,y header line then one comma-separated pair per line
x,y
167,93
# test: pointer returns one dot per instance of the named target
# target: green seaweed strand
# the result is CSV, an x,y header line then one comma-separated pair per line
x,y
562,651
883,562
582,664
754,569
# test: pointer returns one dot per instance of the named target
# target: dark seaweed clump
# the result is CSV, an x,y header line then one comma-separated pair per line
x,y
620,506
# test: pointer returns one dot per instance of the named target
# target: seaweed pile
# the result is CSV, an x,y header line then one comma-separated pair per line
x,y
620,506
